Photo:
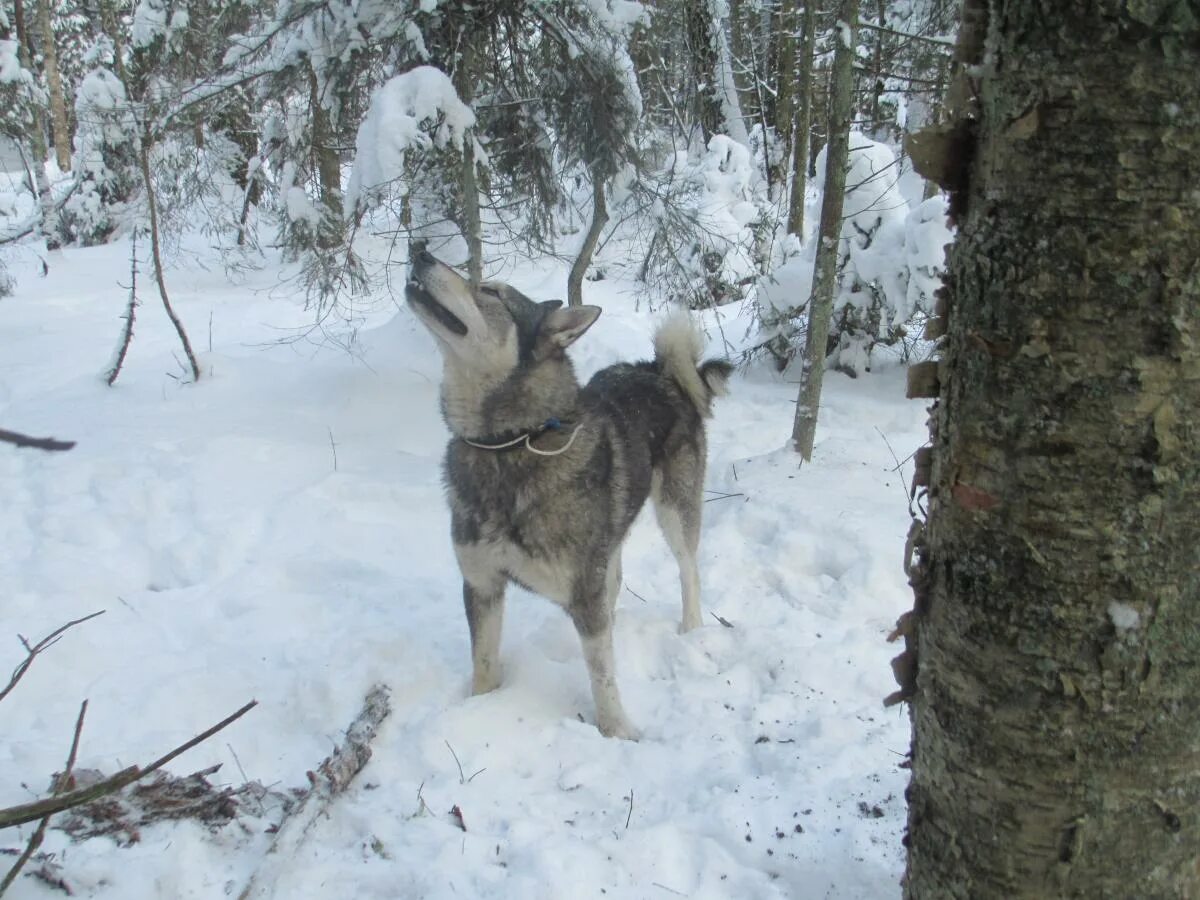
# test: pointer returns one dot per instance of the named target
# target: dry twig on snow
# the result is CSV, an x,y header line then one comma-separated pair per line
x,y
60,784
31,812
124,814
45,643
23,440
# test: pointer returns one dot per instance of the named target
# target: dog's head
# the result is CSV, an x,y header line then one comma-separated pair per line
x,y
495,328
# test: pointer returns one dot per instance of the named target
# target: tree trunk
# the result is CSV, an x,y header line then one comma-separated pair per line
x,y
584,259
328,167
1058,603
802,131
160,277
933,115
645,49
58,101
49,225
733,122
877,75
704,62
820,307
783,110
472,223
740,45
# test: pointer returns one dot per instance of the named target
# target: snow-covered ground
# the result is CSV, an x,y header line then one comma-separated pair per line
x,y
238,559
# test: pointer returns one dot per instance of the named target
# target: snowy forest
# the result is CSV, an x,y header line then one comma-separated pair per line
x,y
948,552
657,143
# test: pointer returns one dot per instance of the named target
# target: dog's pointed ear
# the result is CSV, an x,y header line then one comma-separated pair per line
x,y
551,304
562,327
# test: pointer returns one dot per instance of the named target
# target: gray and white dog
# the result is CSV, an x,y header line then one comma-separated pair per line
x,y
545,477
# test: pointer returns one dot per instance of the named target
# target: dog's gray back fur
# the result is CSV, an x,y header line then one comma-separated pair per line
x,y
555,523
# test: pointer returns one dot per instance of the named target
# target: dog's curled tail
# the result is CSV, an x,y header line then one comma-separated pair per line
x,y
677,348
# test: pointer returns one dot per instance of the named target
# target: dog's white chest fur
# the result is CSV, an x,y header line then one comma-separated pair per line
x,y
549,577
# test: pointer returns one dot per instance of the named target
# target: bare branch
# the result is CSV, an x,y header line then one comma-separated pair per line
x,y
156,254
946,42
462,778
65,779
198,739
26,228
23,440
40,832
48,641
130,315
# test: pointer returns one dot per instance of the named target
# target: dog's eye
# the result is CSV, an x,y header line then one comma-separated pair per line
x,y
488,289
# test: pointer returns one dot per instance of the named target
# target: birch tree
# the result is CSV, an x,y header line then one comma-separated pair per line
x,y
820,307
1056,634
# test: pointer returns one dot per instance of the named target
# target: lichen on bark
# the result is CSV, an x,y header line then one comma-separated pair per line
x,y
1058,639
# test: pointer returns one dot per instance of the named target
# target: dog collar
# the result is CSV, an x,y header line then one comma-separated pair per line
x,y
504,441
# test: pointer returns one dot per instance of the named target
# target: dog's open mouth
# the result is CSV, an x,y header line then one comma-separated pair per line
x,y
418,295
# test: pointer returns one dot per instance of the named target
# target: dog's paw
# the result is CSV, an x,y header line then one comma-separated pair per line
x,y
689,623
484,684
619,728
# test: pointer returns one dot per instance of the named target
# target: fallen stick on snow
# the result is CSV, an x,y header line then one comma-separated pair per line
x,y
332,777
60,783
23,440
31,812
163,797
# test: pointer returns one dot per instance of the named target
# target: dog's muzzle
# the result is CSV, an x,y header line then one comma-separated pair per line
x,y
417,293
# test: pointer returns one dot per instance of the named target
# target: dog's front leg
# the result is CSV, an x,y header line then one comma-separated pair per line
x,y
593,617
485,619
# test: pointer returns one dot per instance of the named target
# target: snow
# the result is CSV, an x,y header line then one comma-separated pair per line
x,y
296,202
11,71
100,90
416,40
731,108
417,109
790,285
717,189
236,559
618,17
1124,617
926,234
891,252
149,22
845,34
104,123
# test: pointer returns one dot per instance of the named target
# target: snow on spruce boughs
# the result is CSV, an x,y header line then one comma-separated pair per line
x,y
104,159
416,110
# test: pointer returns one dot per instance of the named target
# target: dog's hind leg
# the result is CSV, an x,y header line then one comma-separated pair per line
x,y
591,610
485,619
612,581
677,492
